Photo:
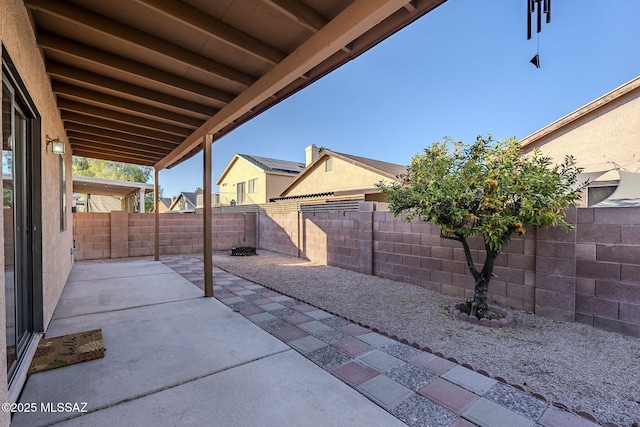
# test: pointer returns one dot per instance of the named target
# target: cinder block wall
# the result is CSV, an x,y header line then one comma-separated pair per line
x,y
415,253
92,235
279,232
122,234
608,269
590,275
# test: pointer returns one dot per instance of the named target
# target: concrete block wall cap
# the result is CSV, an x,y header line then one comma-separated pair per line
x,y
474,320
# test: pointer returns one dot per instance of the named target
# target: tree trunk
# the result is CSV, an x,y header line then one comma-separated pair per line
x,y
480,306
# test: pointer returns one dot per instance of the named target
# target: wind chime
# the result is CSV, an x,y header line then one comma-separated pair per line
x,y
538,7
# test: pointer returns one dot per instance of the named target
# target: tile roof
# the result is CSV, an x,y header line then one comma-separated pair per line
x,y
386,167
274,165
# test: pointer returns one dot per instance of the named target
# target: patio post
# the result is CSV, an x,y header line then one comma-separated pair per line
x,y
156,216
141,196
206,217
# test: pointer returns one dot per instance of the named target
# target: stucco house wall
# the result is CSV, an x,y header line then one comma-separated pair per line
x,y
341,175
269,183
19,43
601,135
330,173
242,171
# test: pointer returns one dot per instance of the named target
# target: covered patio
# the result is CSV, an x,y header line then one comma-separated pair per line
x,y
154,82
147,82
175,358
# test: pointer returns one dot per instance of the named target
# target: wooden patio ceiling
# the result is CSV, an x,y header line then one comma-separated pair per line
x,y
144,81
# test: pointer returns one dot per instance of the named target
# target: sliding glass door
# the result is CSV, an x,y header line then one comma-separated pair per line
x,y
18,224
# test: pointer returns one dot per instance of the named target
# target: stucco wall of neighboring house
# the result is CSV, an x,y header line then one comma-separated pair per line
x,y
19,42
604,136
275,185
342,176
241,171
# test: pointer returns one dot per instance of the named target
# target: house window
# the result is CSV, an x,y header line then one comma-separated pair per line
x,y
253,186
240,193
596,194
328,164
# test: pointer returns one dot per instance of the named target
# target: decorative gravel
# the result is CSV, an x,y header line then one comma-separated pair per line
x,y
330,337
410,376
283,312
417,411
584,368
519,402
401,351
251,297
274,325
334,322
328,357
290,303
240,306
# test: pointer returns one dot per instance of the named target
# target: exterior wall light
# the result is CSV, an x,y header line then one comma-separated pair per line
x,y
57,146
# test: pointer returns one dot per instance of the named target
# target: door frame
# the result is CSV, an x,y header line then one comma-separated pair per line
x,y
33,182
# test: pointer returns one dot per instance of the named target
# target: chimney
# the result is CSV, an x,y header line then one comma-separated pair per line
x,y
312,153
198,191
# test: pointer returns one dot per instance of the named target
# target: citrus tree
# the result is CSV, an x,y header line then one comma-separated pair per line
x,y
490,189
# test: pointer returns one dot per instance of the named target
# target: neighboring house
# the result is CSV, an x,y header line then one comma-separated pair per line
x,y
251,180
184,203
164,203
604,138
98,203
215,201
106,195
332,175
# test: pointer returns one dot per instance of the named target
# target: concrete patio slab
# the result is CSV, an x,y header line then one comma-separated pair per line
x,y
176,358
149,348
96,271
244,396
109,294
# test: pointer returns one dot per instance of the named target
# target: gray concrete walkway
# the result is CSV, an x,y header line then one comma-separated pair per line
x,y
176,358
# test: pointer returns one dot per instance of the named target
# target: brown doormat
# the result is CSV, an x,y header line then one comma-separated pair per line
x,y
67,350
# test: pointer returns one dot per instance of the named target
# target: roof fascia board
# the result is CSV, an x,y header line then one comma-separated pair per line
x,y
530,141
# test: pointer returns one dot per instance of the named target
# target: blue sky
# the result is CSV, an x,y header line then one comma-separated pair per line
x,y
462,70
